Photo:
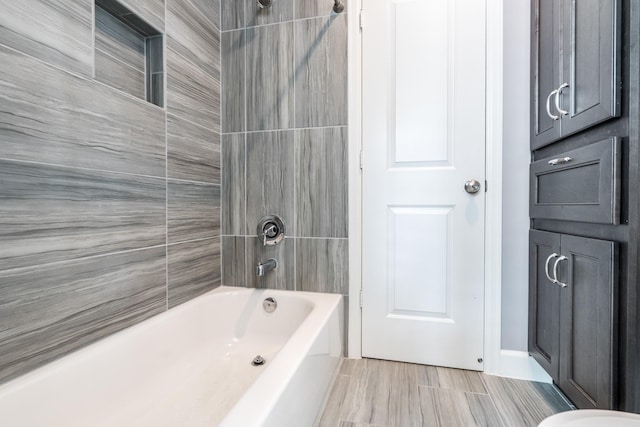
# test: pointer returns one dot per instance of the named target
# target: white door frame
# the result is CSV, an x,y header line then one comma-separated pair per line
x,y
497,361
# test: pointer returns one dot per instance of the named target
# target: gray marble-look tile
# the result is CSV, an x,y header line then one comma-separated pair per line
x,y
340,398
522,403
452,408
321,182
192,93
193,211
193,36
51,310
233,261
321,72
151,11
233,81
353,367
314,8
59,32
55,214
460,380
210,9
47,115
386,395
232,14
344,423
269,176
233,184
280,11
194,269
280,278
193,152
269,77
322,265
119,41
119,75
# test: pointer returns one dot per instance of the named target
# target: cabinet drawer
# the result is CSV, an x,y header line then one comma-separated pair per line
x,y
578,185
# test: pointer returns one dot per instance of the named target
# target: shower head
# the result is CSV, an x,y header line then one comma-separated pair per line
x,y
264,4
338,6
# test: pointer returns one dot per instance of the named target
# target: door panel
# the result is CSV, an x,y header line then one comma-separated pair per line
x,y
544,301
423,137
588,316
545,69
414,78
414,256
591,63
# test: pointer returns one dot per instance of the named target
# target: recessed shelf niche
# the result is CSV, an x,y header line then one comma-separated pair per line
x,y
128,52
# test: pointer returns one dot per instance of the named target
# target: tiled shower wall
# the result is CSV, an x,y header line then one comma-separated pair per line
x,y
284,142
109,205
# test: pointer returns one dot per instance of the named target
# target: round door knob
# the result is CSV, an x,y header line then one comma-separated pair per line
x,y
472,186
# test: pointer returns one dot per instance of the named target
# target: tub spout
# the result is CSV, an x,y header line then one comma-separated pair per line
x,y
263,267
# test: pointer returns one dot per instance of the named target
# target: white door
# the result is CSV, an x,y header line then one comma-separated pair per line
x,y
423,138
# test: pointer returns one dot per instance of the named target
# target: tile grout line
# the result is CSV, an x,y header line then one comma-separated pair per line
x,y
245,151
79,168
166,160
295,161
83,258
191,181
289,129
222,269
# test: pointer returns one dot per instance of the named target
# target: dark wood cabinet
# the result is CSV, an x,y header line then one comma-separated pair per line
x,y
587,209
576,66
573,312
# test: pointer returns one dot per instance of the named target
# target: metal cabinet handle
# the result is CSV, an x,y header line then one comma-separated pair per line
x,y
558,93
553,117
546,268
560,161
555,271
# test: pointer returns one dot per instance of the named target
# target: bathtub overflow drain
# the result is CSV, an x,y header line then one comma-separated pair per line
x,y
258,361
269,305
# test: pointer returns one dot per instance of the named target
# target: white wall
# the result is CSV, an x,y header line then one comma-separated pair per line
x,y
515,200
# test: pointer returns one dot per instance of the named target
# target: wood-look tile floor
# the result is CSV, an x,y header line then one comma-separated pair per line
x,y
378,393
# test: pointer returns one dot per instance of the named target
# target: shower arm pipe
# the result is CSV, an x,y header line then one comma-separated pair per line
x,y
338,6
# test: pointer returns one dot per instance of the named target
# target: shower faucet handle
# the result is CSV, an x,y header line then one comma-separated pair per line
x,y
271,230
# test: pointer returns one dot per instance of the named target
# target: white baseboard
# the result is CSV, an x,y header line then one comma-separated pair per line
x,y
519,365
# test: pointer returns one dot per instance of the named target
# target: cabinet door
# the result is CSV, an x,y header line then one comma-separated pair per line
x,y
588,309
590,63
544,301
545,72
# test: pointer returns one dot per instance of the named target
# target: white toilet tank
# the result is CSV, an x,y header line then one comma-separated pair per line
x,y
592,418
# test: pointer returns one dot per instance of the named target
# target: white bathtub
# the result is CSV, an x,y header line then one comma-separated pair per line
x,y
191,366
